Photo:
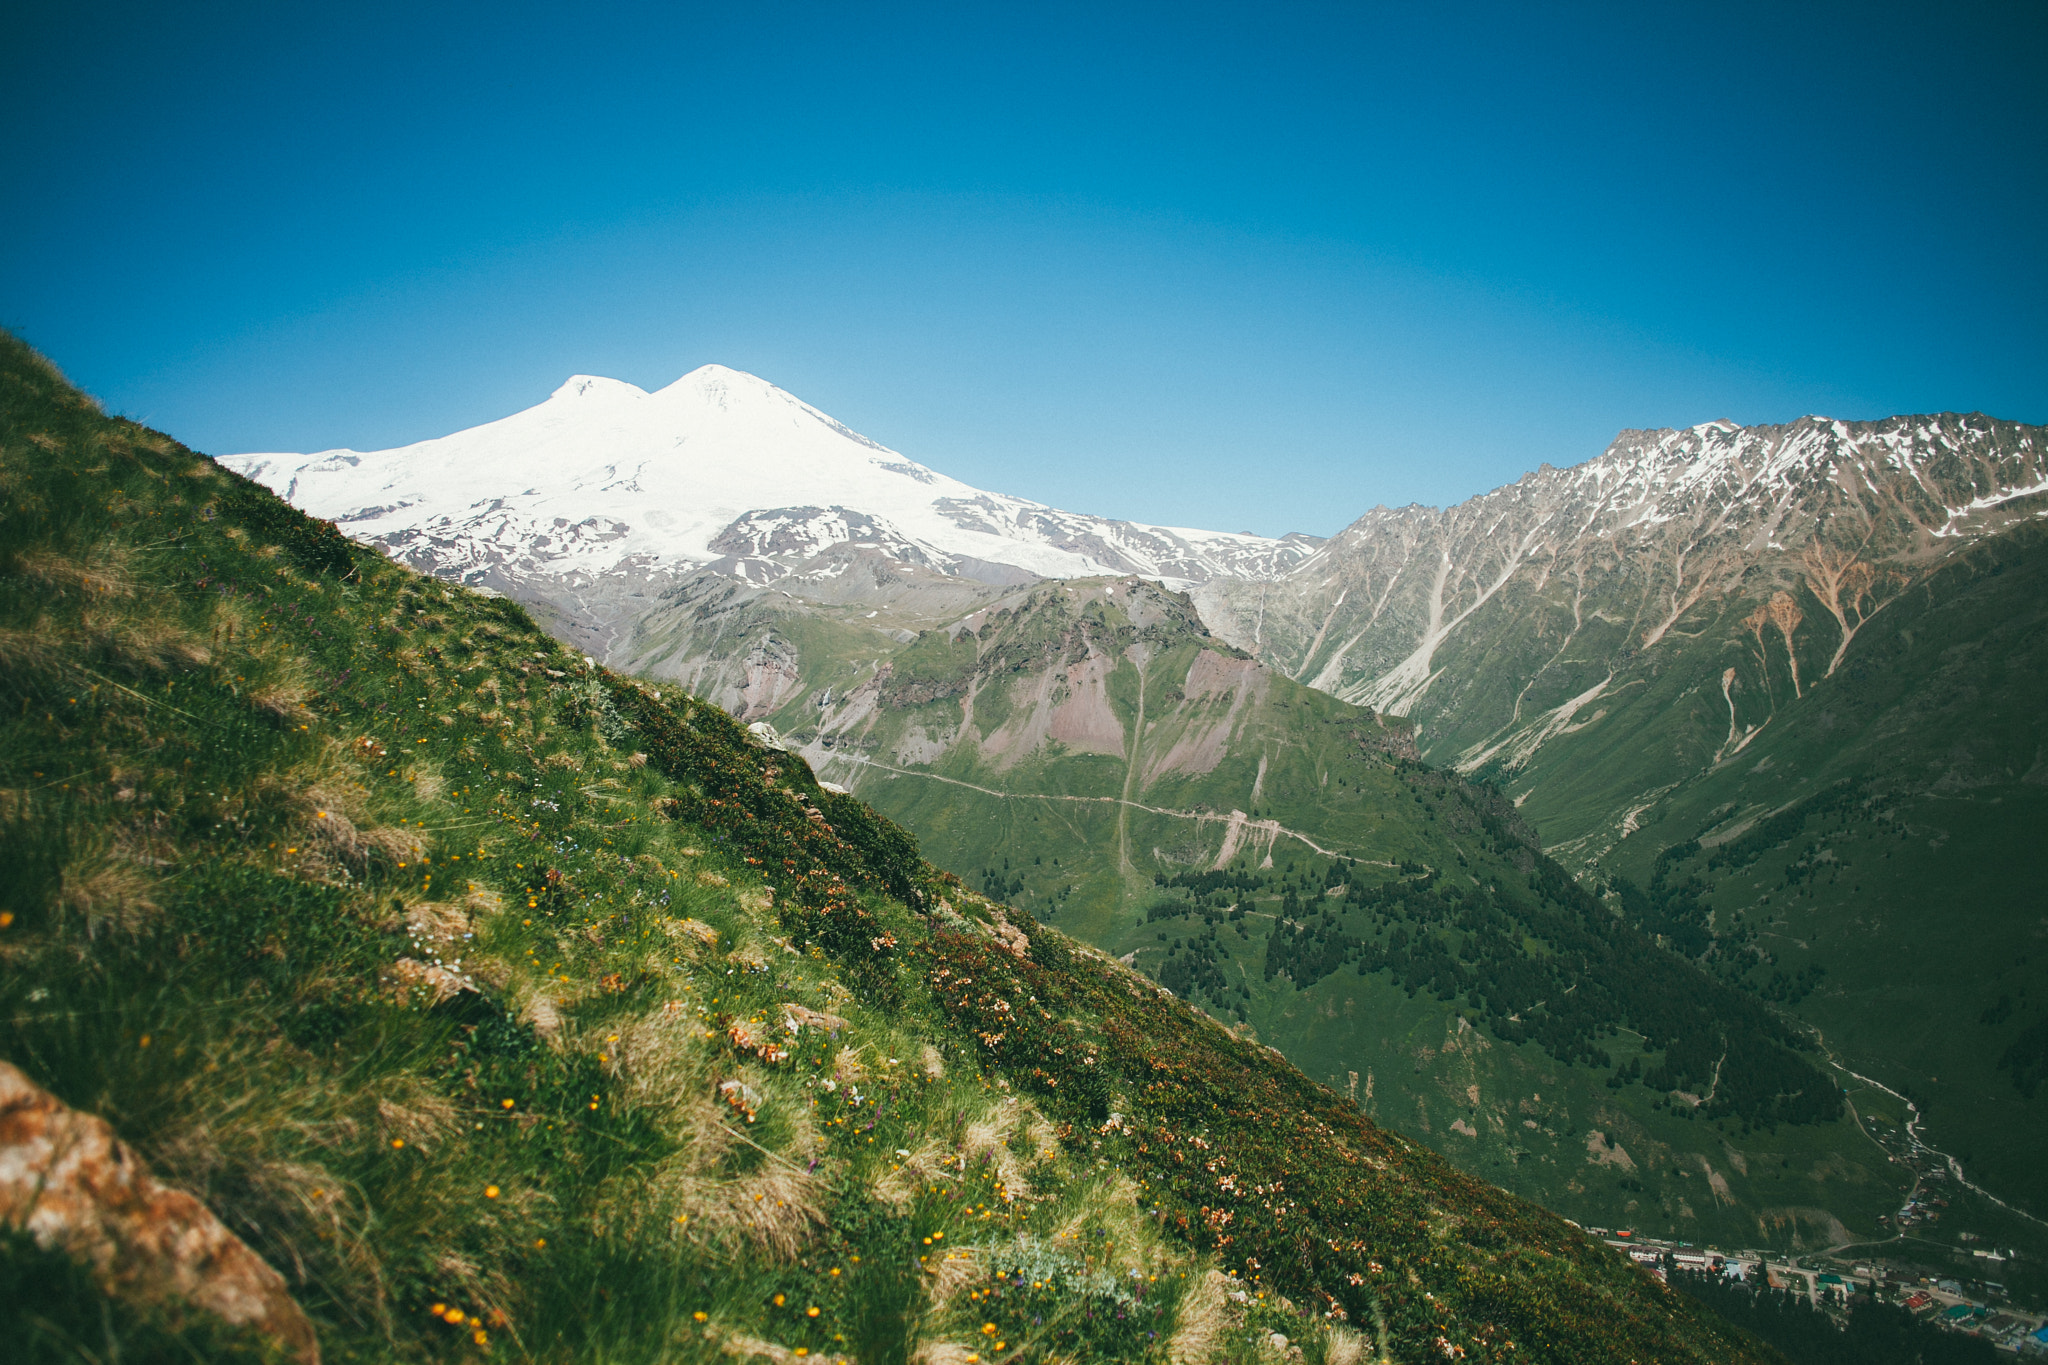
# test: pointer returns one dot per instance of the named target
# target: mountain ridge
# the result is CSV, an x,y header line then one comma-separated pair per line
x,y
1723,671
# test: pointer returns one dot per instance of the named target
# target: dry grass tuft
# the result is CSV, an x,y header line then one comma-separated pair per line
x,y
27,652
954,1271
328,818
719,1183
777,1207
751,1348
930,1160
395,843
418,1115
108,892
538,1011
1345,1347
329,828
145,646
663,1061
106,575
437,924
1205,1317
286,701
991,1136
1043,1137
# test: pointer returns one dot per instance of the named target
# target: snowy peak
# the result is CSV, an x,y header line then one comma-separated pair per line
x,y
595,388
605,478
1646,545
721,386
1931,476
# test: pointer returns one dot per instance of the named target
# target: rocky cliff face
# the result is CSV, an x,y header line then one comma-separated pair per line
x,y
1518,618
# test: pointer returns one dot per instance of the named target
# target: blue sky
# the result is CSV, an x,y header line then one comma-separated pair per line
x,y
1249,267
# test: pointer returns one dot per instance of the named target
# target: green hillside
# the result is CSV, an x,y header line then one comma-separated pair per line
x,y
512,1008
1278,856
1867,862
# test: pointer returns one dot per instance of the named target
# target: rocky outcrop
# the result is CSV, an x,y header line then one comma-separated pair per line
x,y
69,1182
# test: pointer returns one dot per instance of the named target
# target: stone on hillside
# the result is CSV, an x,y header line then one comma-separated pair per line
x,y
68,1181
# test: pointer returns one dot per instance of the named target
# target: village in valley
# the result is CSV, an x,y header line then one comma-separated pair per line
x,y
1971,1298
1960,1303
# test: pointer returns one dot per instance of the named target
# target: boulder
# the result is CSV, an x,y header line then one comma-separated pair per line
x,y
70,1183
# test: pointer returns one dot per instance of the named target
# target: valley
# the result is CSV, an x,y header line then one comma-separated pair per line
x,y
1770,695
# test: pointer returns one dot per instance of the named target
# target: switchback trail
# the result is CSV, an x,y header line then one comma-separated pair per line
x,y
1124,802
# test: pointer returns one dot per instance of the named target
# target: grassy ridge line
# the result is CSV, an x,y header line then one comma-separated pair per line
x,y
351,901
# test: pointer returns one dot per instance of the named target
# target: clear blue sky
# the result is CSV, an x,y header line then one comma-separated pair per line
x,y
1253,267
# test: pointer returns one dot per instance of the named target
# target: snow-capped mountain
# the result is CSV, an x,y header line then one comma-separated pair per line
x,y
719,469
1600,636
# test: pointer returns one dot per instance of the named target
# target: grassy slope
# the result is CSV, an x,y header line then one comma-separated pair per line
x,y
1511,1112
264,791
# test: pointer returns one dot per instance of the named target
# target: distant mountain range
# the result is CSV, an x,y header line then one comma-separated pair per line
x,y
1583,575
1773,693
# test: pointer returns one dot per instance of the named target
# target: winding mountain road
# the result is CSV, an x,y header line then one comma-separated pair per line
x,y
1121,801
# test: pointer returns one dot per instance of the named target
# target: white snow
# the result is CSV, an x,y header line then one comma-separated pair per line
x,y
1981,504
604,475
